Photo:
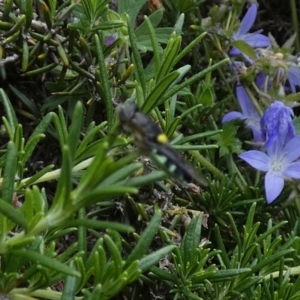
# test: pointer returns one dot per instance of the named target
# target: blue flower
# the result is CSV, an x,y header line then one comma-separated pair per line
x,y
277,125
255,39
279,163
293,77
248,114
109,40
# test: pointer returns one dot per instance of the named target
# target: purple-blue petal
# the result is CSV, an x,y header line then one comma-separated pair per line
x,y
233,115
234,51
256,159
273,186
292,149
257,136
275,149
257,40
109,40
244,101
260,80
248,20
292,171
294,78
277,124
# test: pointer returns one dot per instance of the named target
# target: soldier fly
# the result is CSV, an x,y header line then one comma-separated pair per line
x,y
151,141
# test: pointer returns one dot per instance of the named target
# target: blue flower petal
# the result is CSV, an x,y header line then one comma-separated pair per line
x,y
273,186
292,149
232,116
248,20
294,78
257,40
109,40
234,51
292,171
244,101
257,137
257,159
277,124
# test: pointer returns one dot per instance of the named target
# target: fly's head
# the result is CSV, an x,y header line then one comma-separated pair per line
x,y
127,112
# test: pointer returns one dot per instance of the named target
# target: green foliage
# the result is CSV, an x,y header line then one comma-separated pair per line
x,y
38,224
228,142
83,214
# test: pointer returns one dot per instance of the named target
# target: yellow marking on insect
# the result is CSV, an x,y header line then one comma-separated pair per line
x,y
162,138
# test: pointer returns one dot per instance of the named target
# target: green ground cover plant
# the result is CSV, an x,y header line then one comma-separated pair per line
x,y
85,213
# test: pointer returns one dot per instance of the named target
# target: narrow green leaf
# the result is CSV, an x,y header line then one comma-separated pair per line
x,y
137,61
121,174
104,80
159,91
75,129
179,24
229,273
106,194
9,173
30,146
69,286
42,70
151,259
168,58
248,255
60,129
247,283
145,239
82,234
221,246
47,262
154,41
191,241
97,293
250,237
9,111
116,255
88,137
102,225
108,25
189,47
64,183
250,217
13,214
9,130
132,272
270,231
88,178
269,260
176,89
29,104
28,12
146,179
173,126
164,275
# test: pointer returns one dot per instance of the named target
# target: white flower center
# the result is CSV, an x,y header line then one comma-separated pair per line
x,y
278,163
276,166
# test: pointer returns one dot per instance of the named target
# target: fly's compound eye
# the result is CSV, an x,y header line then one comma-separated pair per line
x,y
127,112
